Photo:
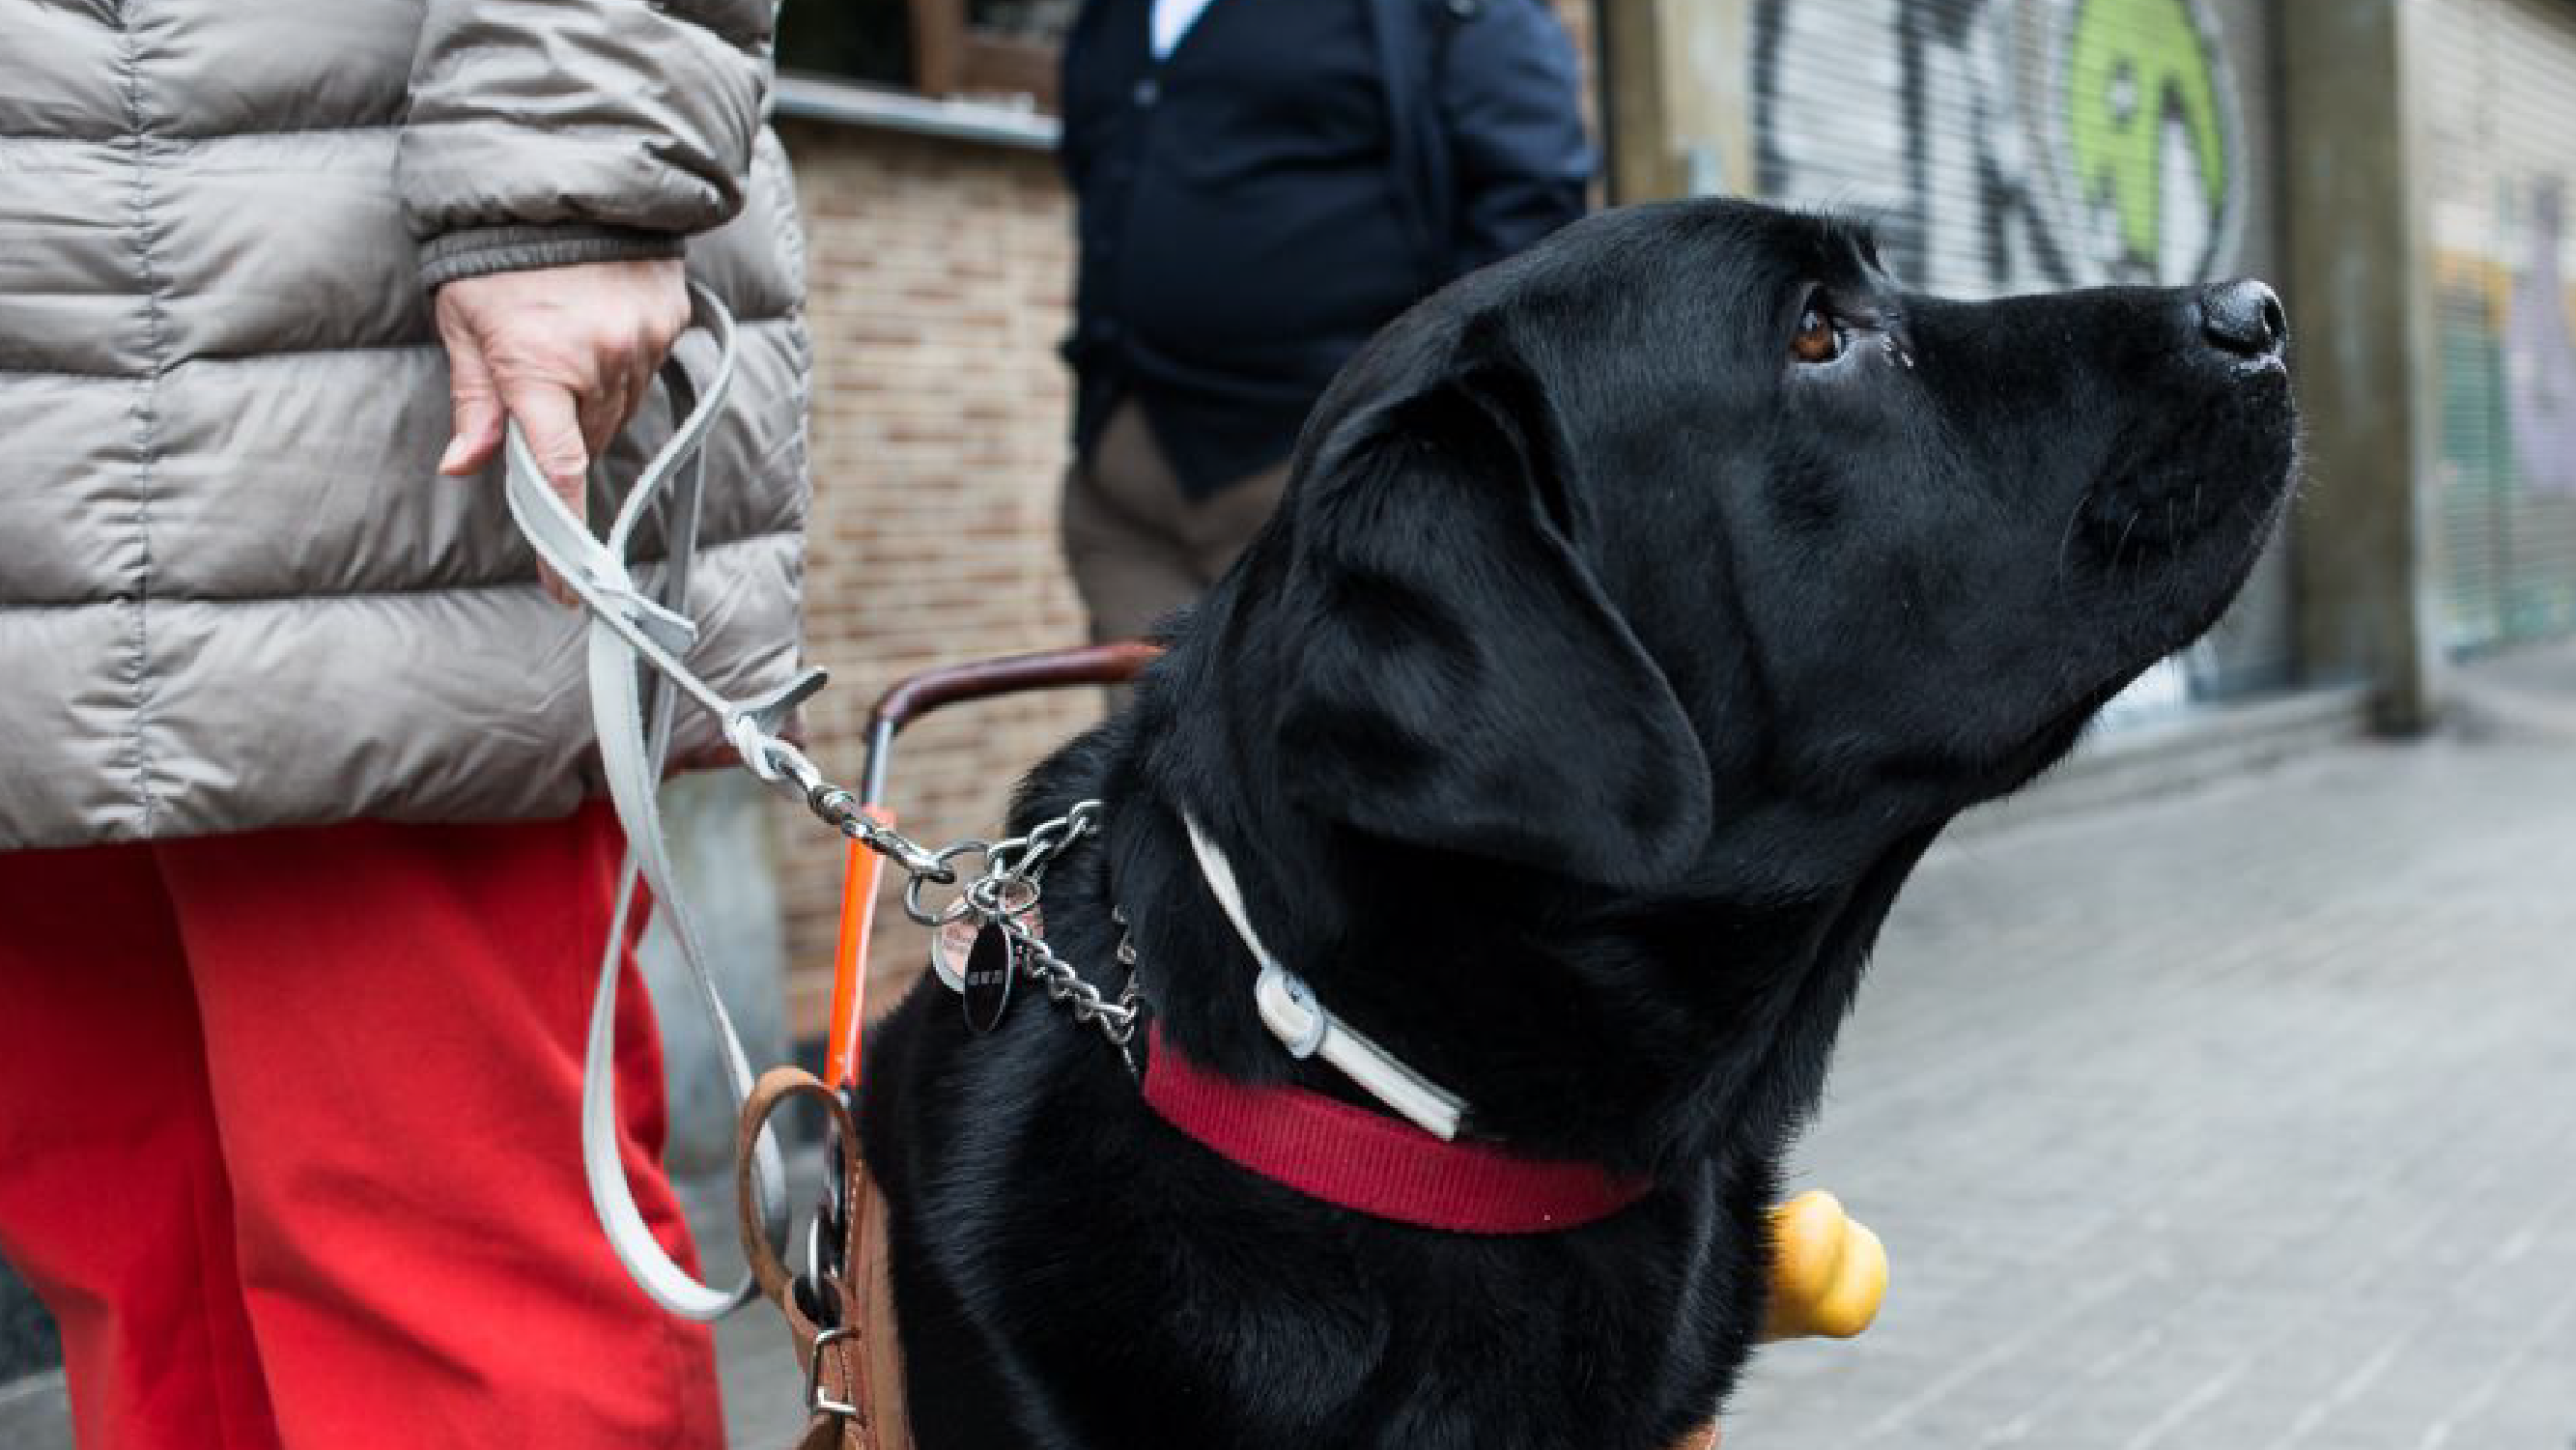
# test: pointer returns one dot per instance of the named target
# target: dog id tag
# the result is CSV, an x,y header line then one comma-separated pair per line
x,y
950,941
990,965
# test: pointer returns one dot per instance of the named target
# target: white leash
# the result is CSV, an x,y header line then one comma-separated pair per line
x,y
629,627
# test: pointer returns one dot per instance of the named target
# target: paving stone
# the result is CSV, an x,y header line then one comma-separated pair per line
x,y
2271,1085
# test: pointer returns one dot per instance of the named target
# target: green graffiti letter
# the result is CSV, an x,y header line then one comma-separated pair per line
x,y
2134,66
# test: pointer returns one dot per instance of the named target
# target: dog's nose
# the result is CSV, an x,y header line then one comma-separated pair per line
x,y
2244,318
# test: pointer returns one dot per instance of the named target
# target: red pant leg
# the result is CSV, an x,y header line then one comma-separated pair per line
x,y
113,1199
394,1019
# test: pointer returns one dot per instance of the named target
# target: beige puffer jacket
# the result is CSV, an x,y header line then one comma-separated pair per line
x,y
233,591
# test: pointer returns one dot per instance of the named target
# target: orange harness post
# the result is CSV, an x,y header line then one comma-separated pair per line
x,y
850,958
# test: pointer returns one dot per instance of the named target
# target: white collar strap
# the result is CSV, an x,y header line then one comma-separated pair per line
x,y
1290,1011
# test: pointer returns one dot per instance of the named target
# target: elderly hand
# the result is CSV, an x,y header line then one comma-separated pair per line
x,y
566,351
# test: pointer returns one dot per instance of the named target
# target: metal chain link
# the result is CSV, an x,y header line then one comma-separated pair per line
x,y
1116,1020
782,764
1004,894
1021,862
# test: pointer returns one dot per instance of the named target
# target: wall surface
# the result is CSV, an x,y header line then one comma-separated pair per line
x,y
2007,146
2499,141
2362,360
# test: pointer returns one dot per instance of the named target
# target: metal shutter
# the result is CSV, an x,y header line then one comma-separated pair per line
x,y
1998,145
2500,177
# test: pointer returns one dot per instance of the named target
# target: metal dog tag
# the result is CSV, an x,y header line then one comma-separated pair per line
x,y
990,965
950,941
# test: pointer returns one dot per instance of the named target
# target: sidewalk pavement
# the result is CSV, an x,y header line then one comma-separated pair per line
x,y
2243,1120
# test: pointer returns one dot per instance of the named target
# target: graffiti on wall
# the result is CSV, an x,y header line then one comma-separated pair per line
x,y
2540,354
2007,145
2506,365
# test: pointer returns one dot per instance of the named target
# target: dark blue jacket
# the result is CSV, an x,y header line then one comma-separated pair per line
x,y
1295,174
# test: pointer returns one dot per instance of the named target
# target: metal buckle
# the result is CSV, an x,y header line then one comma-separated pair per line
x,y
821,1260
815,1400
1312,1036
751,727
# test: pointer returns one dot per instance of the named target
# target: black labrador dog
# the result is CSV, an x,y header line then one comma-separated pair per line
x,y
1641,610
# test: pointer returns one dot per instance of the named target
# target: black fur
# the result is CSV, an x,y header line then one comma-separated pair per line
x,y
1572,729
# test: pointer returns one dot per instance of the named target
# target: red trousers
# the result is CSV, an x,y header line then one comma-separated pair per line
x,y
290,1142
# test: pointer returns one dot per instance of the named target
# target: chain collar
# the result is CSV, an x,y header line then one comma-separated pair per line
x,y
1003,897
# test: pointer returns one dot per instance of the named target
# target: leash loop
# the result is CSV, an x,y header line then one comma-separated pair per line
x,y
630,623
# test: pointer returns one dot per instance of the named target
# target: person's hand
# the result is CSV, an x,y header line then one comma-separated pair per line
x,y
566,351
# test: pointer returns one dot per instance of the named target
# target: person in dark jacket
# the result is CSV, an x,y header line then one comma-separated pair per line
x,y
1260,185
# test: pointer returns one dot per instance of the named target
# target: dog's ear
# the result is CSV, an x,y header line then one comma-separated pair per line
x,y
1453,674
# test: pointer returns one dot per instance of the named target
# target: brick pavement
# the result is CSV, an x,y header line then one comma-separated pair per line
x,y
2242,1120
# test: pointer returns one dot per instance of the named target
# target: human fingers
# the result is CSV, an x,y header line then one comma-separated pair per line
x,y
474,403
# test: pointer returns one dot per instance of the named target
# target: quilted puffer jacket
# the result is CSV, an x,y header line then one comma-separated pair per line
x,y
234,593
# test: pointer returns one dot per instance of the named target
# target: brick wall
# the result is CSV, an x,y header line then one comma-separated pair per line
x,y
939,282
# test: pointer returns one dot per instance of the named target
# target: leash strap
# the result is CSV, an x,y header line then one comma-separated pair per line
x,y
628,627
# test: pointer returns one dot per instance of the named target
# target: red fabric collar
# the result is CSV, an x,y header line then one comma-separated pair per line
x,y
1377,1165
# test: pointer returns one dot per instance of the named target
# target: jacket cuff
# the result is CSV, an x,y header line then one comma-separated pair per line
x,y
480,251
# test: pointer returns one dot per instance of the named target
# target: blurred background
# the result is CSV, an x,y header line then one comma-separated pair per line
x,y
2394,169
2218,1090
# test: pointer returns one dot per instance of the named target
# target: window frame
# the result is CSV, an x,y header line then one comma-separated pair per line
x,y
952,59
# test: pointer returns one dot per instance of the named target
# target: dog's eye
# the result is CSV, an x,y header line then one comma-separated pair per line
x,y
1820,337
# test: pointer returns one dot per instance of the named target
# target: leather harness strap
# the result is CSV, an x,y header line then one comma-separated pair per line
x,y
854,1366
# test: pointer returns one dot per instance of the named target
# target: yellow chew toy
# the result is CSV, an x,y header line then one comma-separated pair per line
x,y
1828,1271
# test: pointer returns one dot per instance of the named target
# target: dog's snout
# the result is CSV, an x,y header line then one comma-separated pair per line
x,y
2245,318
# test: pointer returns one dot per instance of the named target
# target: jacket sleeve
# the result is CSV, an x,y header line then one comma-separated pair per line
x,y
1510,101
549,132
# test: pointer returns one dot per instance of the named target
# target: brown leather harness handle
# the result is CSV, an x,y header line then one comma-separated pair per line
x,y
1096,664
917,695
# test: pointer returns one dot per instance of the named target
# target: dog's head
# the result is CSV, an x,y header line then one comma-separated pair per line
x,y
1693,529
